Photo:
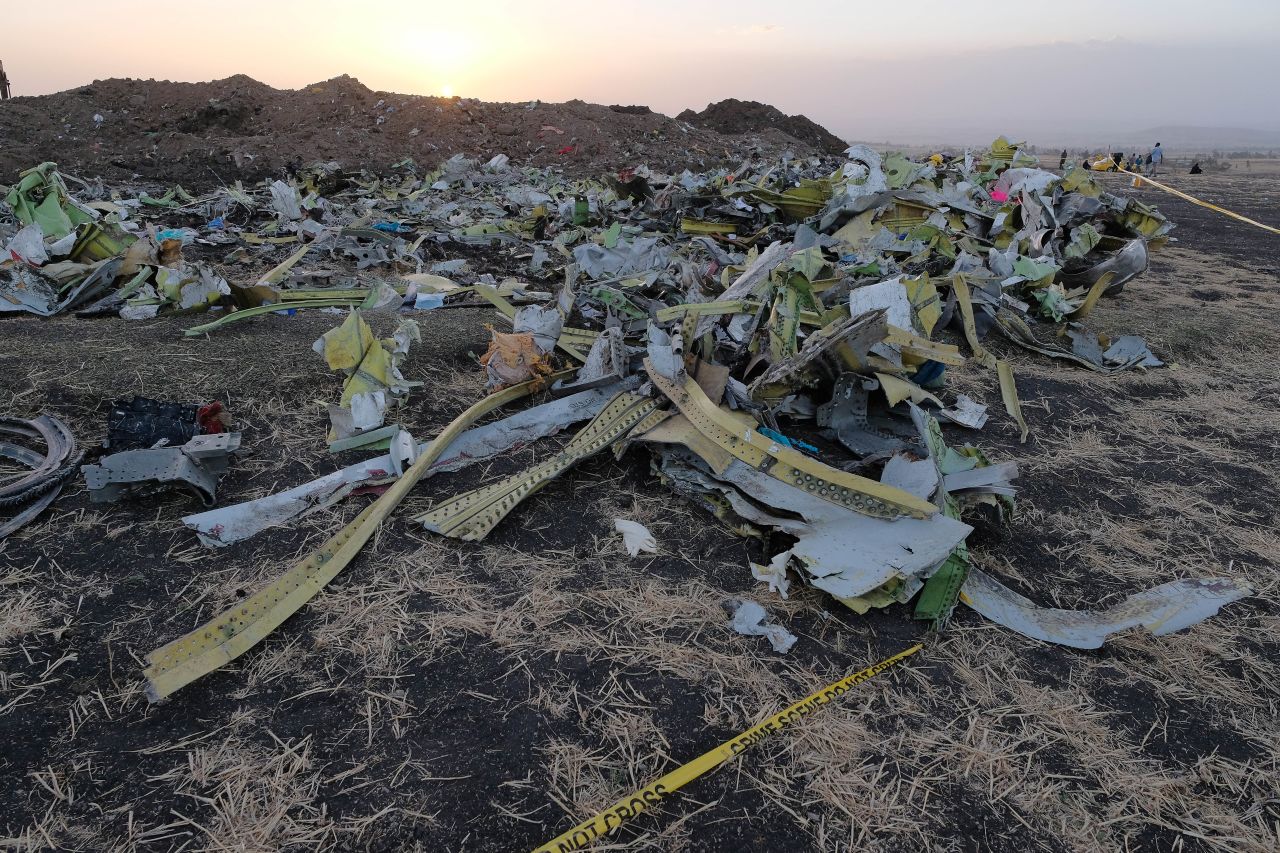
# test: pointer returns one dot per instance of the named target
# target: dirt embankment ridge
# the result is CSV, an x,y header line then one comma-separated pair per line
x,y
734,117
201,134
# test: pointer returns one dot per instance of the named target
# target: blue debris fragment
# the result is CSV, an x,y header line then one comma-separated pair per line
x,y
789,442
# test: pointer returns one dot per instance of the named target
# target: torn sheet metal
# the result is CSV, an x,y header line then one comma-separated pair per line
x,y
372,369
607,361
831,350
750,282
1125,264
966,412
626,258
22,289
286,201
920,477
846,414
889,295
842,552
991,479
1130,351
896,390
195,466
225,525
543,323
1161,610
737,434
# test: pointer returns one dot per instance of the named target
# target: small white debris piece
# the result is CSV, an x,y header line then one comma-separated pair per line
x,y
368,409
774,574
286,201
749,619
28,245
636,537
966,412
139,312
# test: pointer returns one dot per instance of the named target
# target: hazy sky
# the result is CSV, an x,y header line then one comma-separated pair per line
x,y
866,70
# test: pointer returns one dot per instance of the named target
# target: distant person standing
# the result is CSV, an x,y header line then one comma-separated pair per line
x,y
1062,160
1155,158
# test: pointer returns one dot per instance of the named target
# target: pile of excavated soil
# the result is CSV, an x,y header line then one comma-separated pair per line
x,y
734,117
204,134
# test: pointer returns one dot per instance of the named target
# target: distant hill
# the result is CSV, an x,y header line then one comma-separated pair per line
x,y
735,117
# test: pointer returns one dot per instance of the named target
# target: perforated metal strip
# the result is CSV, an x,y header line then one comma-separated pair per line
x,y
470,516
783,463
233,632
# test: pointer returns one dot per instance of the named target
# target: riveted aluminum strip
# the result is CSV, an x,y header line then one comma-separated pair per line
x,y
702,309
470,516
741,439
649,422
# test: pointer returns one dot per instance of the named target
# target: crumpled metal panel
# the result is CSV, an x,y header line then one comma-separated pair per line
x,y
843,552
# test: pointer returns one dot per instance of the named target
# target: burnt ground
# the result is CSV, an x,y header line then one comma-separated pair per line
x,y
484,697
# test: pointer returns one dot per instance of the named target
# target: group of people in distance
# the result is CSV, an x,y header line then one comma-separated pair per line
x,y
1147,165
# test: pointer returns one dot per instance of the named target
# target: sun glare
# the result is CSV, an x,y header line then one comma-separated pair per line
x,y
446,90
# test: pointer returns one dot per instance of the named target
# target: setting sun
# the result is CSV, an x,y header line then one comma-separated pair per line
x,y
446,90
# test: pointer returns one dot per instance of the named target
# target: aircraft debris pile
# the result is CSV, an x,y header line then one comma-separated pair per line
x,y
775,337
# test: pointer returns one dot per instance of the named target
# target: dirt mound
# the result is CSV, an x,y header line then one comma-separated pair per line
x,y
203,134
732,116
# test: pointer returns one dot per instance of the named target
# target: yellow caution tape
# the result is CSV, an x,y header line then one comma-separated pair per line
x,y
585,833
1202,203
